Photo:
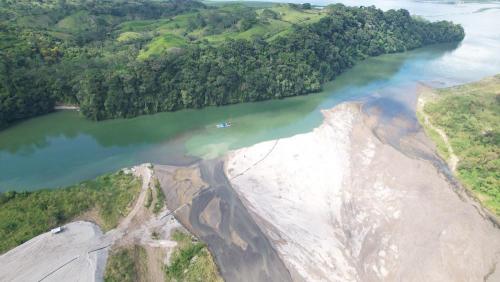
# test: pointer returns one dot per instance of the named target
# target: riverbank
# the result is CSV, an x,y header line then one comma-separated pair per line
x,y
442,141
464,121
83,250
338,203
343,202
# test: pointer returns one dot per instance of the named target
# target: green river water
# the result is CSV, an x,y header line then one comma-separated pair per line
x,y
63,148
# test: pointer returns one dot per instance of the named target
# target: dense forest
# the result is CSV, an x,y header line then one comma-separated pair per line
x,y
127,58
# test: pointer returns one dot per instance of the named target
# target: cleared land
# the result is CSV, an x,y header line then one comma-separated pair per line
x,y
81,249
154,246
142,243
464,122
24,215
58,257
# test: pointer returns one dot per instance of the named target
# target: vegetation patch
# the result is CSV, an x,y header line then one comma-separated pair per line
x,y
162,44
129,36
126,265
160,198
149,198
24,215
442,149
470,116
191,261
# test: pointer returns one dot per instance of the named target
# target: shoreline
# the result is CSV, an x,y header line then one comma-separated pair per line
x,y
362,225
334,203
425,94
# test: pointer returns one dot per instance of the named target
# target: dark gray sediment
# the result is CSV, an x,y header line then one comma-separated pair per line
x,y
214,213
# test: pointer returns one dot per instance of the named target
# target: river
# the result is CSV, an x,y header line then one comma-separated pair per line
x,y
63,148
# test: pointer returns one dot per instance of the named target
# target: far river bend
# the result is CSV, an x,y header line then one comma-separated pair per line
x,y
63,148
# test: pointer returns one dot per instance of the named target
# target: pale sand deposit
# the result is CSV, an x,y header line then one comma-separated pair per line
x,y
339,205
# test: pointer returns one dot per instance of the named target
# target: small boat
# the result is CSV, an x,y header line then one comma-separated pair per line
x,y
224,125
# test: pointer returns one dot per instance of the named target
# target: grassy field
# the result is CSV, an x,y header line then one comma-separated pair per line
x,y
470,116
162,44
126,265
164,34
25,215
191,261
129,36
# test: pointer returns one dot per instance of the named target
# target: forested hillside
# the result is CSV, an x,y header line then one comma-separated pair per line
x,y
127,58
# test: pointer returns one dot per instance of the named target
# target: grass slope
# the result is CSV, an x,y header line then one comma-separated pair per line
x,y
162,44
25,215
191,261
168,33
126,265
470,116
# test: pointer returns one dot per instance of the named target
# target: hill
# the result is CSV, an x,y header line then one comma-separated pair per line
x,y
126,58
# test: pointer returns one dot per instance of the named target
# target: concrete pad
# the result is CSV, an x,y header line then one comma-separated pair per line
x,y
66,256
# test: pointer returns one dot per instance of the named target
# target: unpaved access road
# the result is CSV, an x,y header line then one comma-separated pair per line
x,y
79,253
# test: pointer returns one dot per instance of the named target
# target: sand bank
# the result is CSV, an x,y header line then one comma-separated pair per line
x,y
340,205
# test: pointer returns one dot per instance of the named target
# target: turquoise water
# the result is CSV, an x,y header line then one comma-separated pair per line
x,y
63,148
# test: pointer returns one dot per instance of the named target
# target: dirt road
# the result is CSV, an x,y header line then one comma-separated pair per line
x,y
79,253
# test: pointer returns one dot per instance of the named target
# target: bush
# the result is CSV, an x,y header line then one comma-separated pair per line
x,y
126,265
160,198
191,261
